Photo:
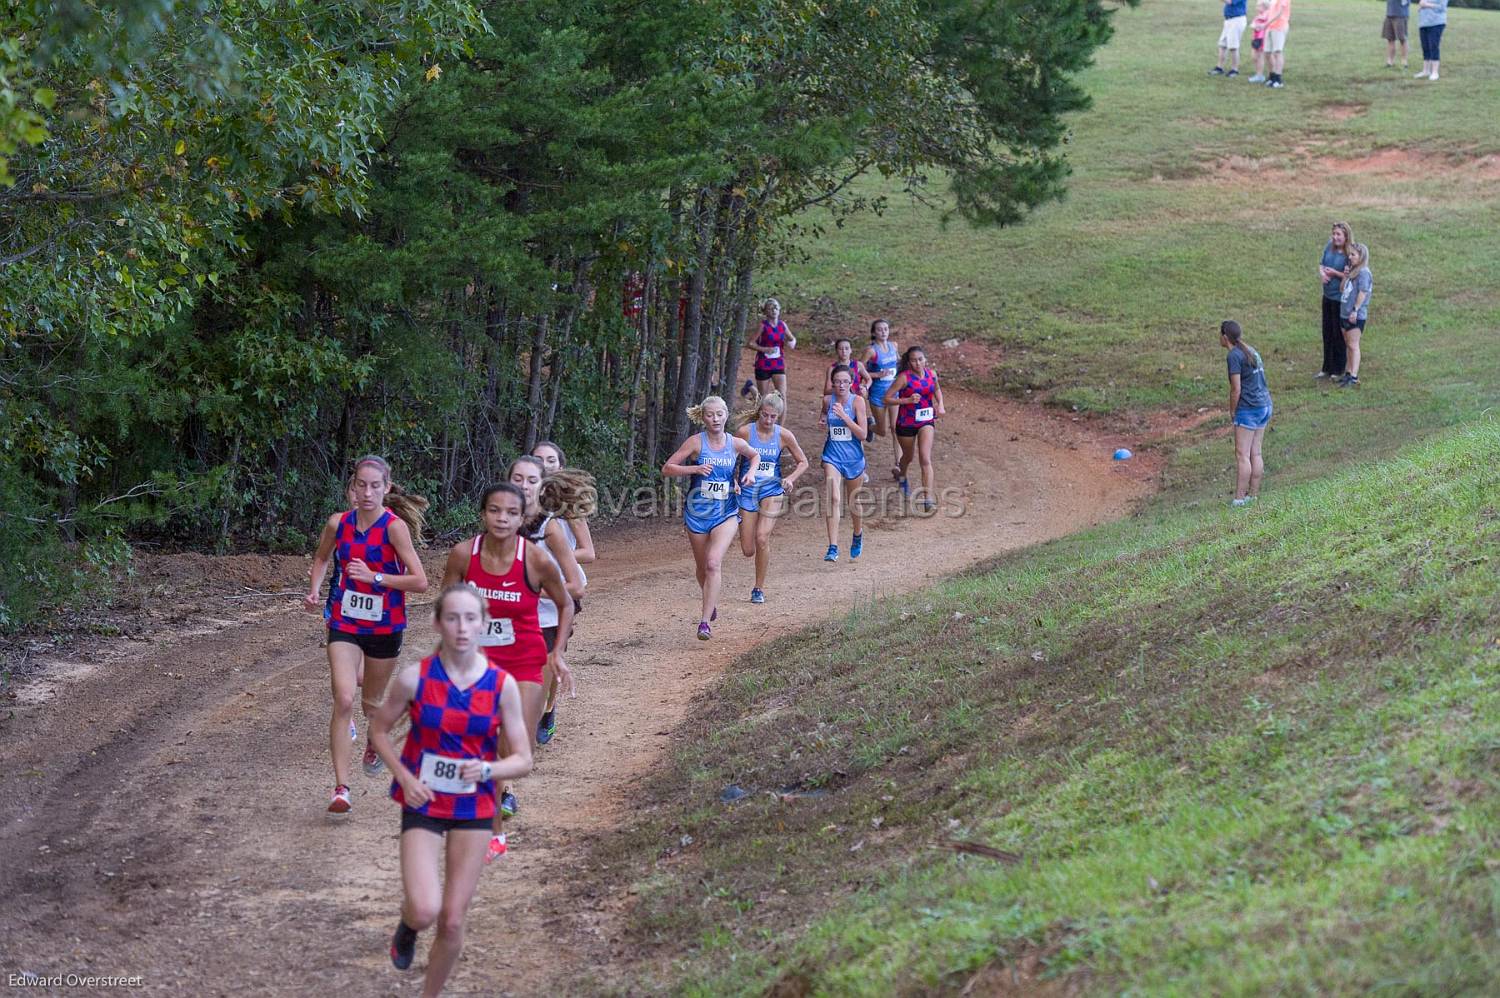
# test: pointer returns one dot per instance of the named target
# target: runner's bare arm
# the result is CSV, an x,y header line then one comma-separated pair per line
x,y
750,454
572,574
413,580
677,463
512,718
893,397
584,553
398,697
937,396
457,564
550,580
790,443
320,561
859,425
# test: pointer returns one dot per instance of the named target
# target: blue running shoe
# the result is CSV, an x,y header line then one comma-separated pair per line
x,y
403,946
833,553
905,489
546,727
756,596
508,804
856,547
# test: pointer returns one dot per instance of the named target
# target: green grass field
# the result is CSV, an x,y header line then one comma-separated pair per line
x,y
1217,751
1196,199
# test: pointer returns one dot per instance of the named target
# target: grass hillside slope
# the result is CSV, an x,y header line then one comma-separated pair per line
x,y
1204,750
1196,199
1220,752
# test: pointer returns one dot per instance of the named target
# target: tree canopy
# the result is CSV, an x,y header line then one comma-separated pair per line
x,y
243,239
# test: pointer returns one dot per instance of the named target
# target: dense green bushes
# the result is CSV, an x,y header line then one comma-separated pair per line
x,y
244,241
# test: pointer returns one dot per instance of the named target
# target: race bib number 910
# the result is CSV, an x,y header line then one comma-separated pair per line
x,y
361,606
440,772
500,631
924,415
714,490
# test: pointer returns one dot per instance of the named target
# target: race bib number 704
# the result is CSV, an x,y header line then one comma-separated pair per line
x,y
714,490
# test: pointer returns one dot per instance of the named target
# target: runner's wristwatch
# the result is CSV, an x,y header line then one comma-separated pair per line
x,y
379,579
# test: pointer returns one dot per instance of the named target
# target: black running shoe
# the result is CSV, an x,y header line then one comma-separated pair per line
x,y
403,946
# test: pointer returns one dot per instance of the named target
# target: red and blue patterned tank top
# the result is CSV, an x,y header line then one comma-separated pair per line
x,y
856,370
771,336
363,607
452,726
923,412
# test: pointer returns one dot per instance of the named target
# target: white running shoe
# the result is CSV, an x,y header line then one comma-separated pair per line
x,y
371,762
340,803
1420,76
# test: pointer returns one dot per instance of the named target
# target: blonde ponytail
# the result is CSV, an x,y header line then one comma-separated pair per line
x,y
695,412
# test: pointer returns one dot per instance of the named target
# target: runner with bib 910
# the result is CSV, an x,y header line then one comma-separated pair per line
x,y
375,565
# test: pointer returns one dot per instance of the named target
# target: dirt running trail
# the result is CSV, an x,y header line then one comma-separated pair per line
x,y
164,801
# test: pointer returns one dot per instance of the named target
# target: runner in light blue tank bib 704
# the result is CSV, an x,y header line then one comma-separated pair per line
x,y
712,498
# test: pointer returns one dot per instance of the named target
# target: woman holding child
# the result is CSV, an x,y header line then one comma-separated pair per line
x,y
1331,271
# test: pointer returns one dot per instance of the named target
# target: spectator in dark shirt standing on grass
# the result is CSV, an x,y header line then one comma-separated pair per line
x,y
1331,272
1397,14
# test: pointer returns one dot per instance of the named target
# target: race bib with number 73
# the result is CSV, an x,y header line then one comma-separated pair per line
x,y
361,606
440,772
500,631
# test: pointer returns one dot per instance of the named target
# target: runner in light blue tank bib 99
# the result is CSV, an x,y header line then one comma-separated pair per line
x,y
767,471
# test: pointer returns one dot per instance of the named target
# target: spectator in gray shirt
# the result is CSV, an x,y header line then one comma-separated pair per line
x,y
1432,18
1354,308
1397,13
1250,403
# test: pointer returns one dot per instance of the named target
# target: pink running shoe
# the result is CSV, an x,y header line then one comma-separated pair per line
x,y
497,848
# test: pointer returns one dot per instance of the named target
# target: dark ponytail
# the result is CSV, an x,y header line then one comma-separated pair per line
x,y
1230,330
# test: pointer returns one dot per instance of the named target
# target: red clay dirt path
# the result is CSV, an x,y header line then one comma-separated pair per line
x,y
164,798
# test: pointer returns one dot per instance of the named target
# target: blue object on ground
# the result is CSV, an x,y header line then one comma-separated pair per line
x,y
1123,454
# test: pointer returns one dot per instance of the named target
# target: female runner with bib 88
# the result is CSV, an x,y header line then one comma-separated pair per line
x,y
444,778
375,565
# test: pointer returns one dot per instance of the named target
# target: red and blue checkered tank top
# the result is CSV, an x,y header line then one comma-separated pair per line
x,y
923,412
771,336
453,724
362,607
